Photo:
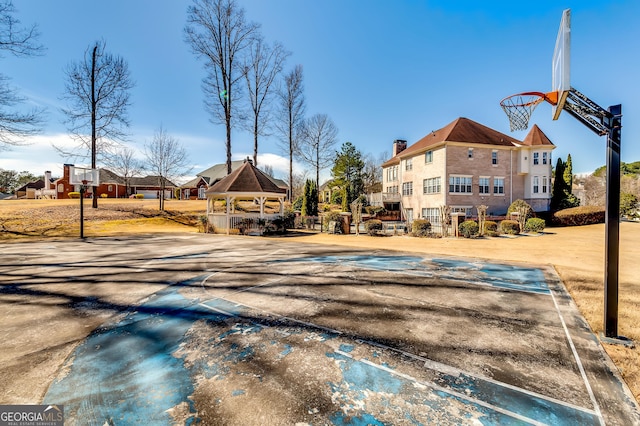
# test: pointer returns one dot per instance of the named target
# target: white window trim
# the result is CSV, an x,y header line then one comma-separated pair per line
x,y
504,186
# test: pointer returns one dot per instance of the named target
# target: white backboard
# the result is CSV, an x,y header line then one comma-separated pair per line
x,y
560,77
80,175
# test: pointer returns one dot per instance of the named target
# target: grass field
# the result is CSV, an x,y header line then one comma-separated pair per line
x,y
577,253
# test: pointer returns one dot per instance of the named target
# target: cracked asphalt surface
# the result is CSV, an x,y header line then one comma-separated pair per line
x,y
208,329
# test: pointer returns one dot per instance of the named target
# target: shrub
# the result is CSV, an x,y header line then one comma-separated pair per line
x,y
104,195
421,228
74,194
534,225
332,216
490,226
139,196
510,227
468,228
578,216
373,226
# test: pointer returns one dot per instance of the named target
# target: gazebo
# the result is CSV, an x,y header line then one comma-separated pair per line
x,y
245,183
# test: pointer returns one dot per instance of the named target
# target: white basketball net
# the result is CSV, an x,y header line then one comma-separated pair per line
x,y
519,109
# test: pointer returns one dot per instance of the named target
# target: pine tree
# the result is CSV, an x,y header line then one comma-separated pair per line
x,y
557,193
567,175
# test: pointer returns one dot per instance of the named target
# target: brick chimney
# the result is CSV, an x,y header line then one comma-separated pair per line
x,y
399,145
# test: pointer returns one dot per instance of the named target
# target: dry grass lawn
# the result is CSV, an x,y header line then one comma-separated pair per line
x,y
577,253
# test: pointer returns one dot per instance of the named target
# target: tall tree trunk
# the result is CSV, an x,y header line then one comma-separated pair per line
x,y
255,141
93,122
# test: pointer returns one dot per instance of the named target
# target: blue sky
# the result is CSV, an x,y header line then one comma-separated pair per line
x,y
382,70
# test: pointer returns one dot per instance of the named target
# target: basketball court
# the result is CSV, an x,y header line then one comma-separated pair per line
x,y
206,329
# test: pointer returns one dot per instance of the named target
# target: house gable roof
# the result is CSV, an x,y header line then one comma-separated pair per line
x,y
150,181
218,171
536,137
461,130
246,179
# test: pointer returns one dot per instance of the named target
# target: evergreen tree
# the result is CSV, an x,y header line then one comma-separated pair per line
x,y
347,171
561,196
568,174
557,193
310,199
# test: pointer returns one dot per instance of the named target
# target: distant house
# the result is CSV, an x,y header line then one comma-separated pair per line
x,y
196,188
115,186
464,165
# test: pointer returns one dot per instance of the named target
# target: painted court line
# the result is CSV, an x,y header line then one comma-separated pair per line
x,y
579,363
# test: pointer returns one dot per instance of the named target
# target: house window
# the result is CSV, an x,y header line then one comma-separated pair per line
x,y
483,186
536,184
110,188
462,209
544,184
544,158
432,214
498,186
408,164
202,189
428,157
460,184
431,186
470,153
60,187
392,189
407,188
392,173
494,157
535,158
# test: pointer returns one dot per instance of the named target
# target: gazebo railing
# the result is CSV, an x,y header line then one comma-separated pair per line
x,y
239,220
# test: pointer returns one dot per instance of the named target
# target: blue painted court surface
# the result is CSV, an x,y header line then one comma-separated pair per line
x,y
160,363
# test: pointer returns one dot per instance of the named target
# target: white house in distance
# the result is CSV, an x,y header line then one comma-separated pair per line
x,y
464,165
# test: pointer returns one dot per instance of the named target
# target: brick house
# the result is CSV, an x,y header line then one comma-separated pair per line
x,y
466,164
115,186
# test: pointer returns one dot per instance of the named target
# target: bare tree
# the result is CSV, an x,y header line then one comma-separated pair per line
x,y
97,91
316,145
218,32
372,173
262,66
167,159
291,116
19,41
124,163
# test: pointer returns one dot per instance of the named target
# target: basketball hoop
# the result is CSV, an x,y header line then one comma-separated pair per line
x,y
519,107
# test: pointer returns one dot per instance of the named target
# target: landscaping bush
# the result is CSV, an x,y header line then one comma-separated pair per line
x,y
139,196
534,225
104,195
578,216
510,227
421,228
373,226
490,226
74,194
333,216
468,229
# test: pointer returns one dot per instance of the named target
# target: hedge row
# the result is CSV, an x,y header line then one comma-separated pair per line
x,y
578,216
